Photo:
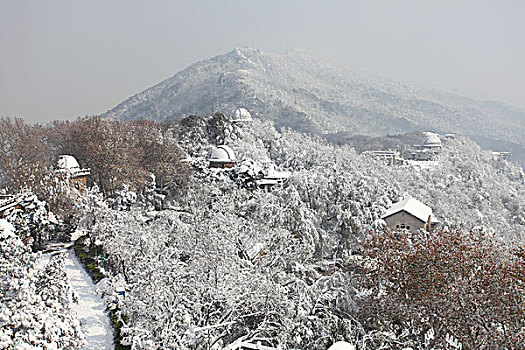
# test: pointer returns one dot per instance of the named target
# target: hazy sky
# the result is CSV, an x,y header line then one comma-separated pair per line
x,y
68,58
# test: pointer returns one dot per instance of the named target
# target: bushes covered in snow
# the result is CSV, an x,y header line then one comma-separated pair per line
x,y
34,302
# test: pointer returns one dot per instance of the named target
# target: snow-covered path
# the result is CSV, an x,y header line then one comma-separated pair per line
x,y
90,310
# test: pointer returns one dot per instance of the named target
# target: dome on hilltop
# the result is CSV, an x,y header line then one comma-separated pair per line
x,y
67,162
242,114
432,140
222,153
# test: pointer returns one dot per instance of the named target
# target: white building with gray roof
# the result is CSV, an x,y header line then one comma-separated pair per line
x,y
409,214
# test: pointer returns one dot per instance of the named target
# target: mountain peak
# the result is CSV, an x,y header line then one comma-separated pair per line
x,y
306,93
244,51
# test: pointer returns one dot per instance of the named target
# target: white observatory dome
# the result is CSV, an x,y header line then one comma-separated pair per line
x,y
222,153
67,162
242,114
432,140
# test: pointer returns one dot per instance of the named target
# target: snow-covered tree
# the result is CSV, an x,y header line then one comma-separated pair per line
x,y
34,303
449,282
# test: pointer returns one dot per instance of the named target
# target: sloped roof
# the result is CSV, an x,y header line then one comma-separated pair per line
x,y
277,175
413,207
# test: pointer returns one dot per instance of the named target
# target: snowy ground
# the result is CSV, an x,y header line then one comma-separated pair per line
x,y
90,310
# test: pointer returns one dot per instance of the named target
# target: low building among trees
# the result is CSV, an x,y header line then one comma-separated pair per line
x,y
222,157
279,176
266,184
389,157
272,178
501,155
409,214
68,166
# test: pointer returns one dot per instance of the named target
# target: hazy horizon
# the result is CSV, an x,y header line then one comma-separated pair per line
x,y
63,59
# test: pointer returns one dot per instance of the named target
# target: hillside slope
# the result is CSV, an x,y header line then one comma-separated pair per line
x,y
225,262
309,94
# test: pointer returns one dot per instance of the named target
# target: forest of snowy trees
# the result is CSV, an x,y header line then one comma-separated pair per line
x,y
207,260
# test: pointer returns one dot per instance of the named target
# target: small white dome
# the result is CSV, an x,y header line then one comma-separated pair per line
x,y
242,114
67,162
432,140
222,153
342,345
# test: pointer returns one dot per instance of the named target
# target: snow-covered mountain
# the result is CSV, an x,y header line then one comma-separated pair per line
x,y
310,94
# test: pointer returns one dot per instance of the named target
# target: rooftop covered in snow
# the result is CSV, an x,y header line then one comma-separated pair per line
x,y
413,207
68,163
277,175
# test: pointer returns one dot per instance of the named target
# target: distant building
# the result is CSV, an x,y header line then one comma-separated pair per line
x,y
431,142
409,214
422,155
427,150
222,157
501,155
241,115
279,176
389,157
68,166
450,136
266,184
271,179
401,161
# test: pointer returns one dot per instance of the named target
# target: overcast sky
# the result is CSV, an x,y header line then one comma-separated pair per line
x,y
68,58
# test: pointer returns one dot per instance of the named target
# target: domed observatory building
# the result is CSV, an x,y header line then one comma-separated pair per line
x,y
241,115
431,146
432,142
67,165
222,157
